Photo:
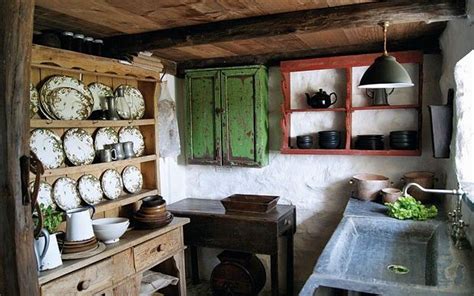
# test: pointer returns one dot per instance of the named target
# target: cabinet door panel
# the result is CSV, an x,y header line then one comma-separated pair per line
x,y
203,119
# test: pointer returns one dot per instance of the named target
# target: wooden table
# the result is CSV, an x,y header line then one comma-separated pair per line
x,y
211,226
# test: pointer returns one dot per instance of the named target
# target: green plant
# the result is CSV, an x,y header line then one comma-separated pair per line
x,y
51,218
406,207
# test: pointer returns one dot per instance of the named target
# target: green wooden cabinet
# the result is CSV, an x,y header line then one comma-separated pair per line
x,y
227,117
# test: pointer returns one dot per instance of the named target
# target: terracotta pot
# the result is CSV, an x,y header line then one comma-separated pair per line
x,y
368,186
425,179
391,194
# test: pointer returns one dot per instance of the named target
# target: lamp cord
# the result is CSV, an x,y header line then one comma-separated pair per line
x,y
385,26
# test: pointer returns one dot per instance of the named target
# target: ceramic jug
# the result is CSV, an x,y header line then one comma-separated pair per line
x,y
41,247
79,224
50,256
379,96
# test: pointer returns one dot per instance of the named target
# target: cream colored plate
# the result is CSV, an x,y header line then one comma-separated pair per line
x,y
133,134
45,194
69,104
65,194
89,189
132,179
134,99
48,147
33,100
104,136
99,93
78,146
111,182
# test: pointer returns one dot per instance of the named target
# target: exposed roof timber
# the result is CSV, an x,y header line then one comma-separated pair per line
x,y
429,44
315,20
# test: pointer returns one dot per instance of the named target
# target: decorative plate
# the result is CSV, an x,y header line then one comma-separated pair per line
x,y
78,146
60,81
65,194
33,100
134,99
69,104
133,134
45,194
48,147
111,183
99,93
89,189
132,179
105,136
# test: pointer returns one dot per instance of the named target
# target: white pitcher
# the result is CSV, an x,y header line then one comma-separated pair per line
x,y
79,224
47,249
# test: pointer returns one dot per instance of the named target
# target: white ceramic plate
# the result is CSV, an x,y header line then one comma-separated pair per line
x,y
69,104
33,100
99,93
132,179
65,194
48,147
45,194
134,99
105,136
133,134
78,146
111,182
89,189
61,81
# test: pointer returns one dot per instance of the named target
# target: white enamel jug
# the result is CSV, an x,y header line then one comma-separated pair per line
x,y
79,224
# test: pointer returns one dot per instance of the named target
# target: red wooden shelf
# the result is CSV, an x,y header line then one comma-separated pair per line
x,y
391,107
350,152
317,110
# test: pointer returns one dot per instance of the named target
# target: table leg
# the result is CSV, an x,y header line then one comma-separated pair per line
x,y
289,265
274,273
194,265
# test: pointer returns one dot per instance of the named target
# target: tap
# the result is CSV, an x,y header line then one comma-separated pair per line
x,y
455,217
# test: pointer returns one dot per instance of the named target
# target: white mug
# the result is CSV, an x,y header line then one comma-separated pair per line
x,y
79,224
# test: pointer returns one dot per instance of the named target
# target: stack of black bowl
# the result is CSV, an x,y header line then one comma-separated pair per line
x,y
304,142
404,140
369,142
329,139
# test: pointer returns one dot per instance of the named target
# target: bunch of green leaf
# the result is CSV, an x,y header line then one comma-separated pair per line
x,y
406,207
51,218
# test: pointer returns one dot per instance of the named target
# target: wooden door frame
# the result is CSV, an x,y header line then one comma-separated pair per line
x,y
18,275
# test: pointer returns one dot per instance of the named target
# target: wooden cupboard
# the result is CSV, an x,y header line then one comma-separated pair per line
x,y
226,116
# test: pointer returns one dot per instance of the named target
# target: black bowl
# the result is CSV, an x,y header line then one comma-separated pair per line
x,y
408,146
329,133
307,145
329,145
153,201
306,138
399,133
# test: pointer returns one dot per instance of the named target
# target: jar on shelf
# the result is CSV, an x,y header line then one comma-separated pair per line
x,y
66,40
97,45
87,47
78,42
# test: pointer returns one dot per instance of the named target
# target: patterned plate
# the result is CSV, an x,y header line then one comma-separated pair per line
x,y
89,189
45,194
78,146
100,92
65,194
111,184
61,81
132,179
133,134
33,100
104,136
134,99
69,104
48,147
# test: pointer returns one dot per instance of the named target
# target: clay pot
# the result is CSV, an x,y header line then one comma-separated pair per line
x,y
391,194
425,179
368,186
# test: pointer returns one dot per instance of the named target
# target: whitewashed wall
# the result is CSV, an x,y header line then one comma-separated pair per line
x,y
316,185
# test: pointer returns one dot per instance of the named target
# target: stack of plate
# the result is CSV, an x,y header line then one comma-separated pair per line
x,y
404,140
70,247
329,139
369,142
304,142
152,213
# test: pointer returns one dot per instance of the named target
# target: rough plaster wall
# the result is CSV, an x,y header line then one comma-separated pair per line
x,y
316,185
456,42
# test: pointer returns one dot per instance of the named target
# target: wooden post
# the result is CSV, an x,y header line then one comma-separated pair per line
x,y
18,275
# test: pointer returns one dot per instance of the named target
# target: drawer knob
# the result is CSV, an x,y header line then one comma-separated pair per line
x,y
159,249
84,285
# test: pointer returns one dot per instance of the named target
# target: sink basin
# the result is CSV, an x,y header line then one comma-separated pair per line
x,y
366,242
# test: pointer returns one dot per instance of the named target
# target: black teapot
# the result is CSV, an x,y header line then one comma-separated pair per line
x,y
321,99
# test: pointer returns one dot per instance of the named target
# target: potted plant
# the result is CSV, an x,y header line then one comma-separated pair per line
x,y
46,245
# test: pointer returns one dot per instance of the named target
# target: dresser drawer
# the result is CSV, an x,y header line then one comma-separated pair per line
x,y
151,252
85,281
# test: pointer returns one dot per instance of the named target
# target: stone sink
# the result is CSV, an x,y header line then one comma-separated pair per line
x,y
370,252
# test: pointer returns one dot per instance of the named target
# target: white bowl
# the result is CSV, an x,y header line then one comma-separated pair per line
x,y
109,230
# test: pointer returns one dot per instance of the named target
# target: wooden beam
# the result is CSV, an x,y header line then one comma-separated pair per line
x,y
339,17
429,44
18,275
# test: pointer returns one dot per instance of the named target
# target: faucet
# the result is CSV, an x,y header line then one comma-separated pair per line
x,y
458,233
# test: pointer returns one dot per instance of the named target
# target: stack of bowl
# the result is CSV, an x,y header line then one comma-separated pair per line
x,y
70,247
329,139
304,142
152,213
404,140
369,142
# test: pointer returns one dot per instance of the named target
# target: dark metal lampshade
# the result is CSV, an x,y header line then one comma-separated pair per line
x,y
385,72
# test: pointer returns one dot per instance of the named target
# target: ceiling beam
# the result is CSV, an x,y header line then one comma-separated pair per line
x,y
315,20
429,44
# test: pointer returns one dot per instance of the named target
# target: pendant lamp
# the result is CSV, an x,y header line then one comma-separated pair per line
x,y
385,72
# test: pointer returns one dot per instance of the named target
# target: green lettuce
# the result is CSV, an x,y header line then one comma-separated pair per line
x,y
406,207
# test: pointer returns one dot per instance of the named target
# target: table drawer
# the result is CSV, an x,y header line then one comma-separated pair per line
x,y
85,281
151,252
